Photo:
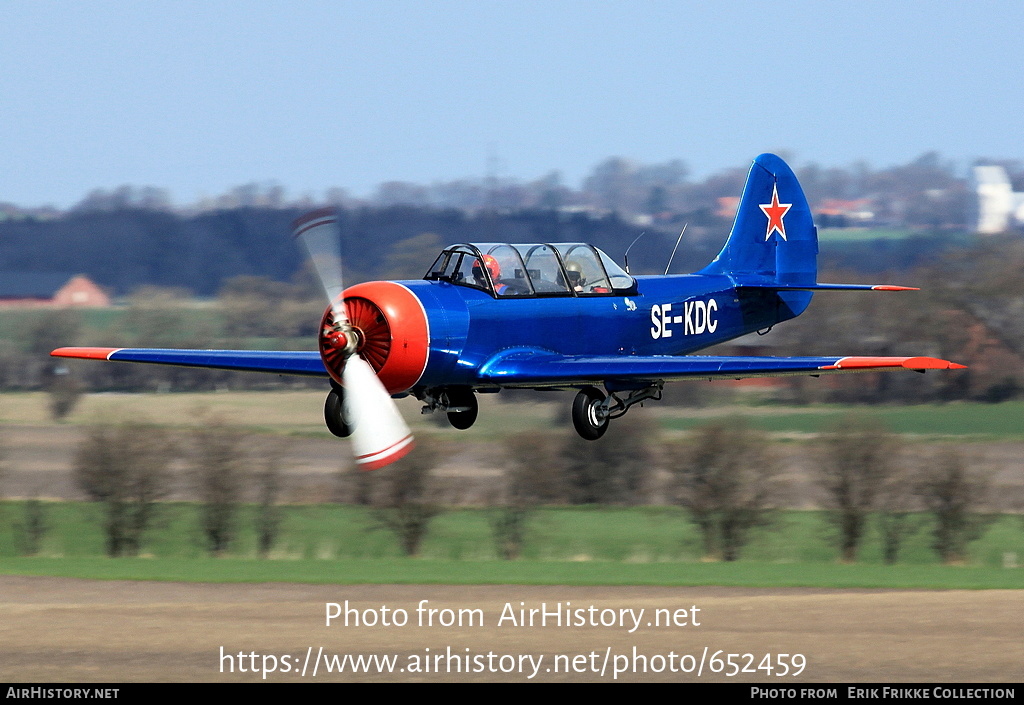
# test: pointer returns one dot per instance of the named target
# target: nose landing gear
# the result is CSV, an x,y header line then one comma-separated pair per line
x,y
459,404
334,413
462,407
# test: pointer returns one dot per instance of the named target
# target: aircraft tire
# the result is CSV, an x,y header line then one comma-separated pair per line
x,y
584,414
334,414
462,397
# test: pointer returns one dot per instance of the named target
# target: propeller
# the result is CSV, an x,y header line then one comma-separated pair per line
x,y
379,435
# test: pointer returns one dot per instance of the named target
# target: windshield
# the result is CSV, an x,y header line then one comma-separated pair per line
x,y
536,269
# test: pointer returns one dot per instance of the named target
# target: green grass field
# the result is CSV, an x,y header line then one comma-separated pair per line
x,y
354,571
982,421
101,321
863,234
586,546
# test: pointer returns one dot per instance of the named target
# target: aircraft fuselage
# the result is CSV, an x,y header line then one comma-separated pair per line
x,y
667,315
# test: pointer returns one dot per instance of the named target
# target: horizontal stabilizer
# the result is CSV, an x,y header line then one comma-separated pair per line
x,y
829,287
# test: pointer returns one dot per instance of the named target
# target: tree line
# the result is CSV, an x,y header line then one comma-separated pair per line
x,y
726,478
124,250
928,191
130,237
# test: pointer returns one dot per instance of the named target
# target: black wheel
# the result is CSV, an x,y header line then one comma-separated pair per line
x,y
462,396
334,414
585,417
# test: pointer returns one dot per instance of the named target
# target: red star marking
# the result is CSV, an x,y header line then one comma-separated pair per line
x,y
776,212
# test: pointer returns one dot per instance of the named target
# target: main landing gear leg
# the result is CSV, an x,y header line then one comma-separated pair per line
x,y
592,410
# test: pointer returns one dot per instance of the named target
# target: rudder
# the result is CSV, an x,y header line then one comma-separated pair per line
x,y
773,239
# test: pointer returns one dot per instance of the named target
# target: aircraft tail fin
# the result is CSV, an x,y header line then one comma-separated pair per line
x,y
773,239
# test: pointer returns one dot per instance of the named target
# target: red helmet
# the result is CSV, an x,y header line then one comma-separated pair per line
x,y
493,268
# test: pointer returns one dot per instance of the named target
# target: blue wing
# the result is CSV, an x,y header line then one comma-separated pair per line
x,y
305,362
540,368
532,367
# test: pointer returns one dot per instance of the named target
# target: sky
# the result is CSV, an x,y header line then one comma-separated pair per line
x,y
199,97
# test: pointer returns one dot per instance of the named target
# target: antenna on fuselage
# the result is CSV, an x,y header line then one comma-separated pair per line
x,y
625,257
673,255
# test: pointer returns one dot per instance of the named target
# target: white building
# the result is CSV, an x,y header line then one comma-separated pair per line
x,y
999,206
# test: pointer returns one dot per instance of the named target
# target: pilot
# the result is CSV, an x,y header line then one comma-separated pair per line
x,y
576,279
493,268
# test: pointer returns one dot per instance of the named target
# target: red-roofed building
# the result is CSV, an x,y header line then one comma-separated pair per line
x,y
49,289
836,211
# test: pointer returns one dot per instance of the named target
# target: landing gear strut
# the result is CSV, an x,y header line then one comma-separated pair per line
x,y
592,410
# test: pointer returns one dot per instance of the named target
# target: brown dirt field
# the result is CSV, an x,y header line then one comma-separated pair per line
x,y
54,629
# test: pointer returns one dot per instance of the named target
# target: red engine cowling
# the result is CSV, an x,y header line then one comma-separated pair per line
x,y
391,330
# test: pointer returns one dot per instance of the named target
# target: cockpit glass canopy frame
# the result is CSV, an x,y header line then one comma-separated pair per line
x,y
536,270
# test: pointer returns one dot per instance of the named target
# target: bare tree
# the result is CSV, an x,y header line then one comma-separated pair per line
x,y
218,469
125,467
855,461
3,469
954,495
405,501
268,482
4,452
30,533
38,333
355,486
727,480
508,528
65,391
613,471
898,511
536,459
530,478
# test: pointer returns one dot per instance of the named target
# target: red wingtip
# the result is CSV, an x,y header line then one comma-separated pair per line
x,y
85,353
927,363
910,363
891,287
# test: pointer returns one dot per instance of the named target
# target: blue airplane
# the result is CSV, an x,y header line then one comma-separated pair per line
x,y
492,316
